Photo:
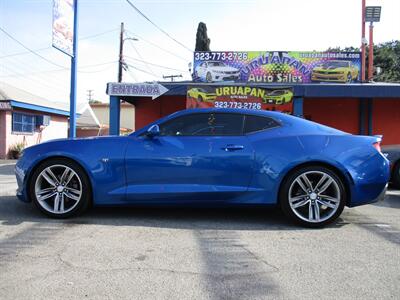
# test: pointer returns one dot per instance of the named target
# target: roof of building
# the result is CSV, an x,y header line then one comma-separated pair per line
x,y
87,117
23,99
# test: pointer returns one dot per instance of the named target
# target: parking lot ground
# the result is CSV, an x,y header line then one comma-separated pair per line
x,y
177,253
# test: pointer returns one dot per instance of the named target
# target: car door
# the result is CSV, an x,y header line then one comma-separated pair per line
x,y
194,155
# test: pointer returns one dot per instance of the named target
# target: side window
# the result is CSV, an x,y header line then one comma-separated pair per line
x,y
207,124
257,123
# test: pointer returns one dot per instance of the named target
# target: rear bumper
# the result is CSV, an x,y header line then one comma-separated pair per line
x,y
381,196
370,182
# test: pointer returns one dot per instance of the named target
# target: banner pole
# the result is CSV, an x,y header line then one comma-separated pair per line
x,y
74,61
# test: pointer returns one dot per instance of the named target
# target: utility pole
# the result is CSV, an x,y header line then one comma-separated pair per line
x,y
74,65
121,51
90,95
371,52
172,77
363,41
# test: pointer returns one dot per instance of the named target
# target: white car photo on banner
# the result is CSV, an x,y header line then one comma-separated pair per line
x,y
63,25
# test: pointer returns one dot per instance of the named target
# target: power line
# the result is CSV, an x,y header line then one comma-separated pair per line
x,y
132,75
19,67
98,34
155,45
62,69
141,70
30,50
50,47
137,52
38,81
155,25
155,65
24,52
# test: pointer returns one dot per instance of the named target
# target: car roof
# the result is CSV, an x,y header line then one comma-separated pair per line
x,y
262,113
293,121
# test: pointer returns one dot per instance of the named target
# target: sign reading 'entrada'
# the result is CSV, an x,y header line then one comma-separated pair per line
x,y
277,67
152,90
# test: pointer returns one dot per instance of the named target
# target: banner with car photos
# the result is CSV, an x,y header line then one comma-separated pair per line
x,y
242,97
277,67
63,25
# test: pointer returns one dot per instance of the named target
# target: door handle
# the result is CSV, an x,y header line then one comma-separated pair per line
x,y
233,147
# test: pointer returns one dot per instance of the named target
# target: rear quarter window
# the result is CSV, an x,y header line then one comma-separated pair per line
x,y
258,123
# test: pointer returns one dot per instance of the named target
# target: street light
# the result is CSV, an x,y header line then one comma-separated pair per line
x,y
372,14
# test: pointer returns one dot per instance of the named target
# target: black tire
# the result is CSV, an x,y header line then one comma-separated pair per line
x,y
289,182
349,78
85,198
200,99
208,77
396,176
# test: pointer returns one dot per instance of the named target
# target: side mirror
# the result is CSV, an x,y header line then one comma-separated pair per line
x,y
153,131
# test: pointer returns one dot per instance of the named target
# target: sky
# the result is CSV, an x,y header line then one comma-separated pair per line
x,y
235,25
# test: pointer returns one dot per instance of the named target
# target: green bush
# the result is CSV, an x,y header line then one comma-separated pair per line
x,y
16,150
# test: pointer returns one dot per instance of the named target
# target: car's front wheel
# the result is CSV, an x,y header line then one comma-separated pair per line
x,y
209,77
60,188
313,196
349,78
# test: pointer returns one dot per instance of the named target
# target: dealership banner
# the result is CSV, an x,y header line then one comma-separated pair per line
x,y
277,67
245,97
63,25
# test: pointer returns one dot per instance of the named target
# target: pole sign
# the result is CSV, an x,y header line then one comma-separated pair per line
x,y
63,25
242,97
277,67
152,90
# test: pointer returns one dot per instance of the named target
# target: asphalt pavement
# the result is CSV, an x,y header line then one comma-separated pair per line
x,y
177,253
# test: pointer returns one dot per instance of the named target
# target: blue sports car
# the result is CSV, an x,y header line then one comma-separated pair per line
x,y
210,157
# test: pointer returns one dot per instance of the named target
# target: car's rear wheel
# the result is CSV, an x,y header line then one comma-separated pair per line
x,y
313,196
396,176
349,78
60,188
200,99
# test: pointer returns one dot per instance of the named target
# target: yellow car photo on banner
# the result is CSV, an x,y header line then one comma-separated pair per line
x,y
240,97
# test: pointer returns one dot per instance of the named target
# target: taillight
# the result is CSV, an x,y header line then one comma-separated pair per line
x,y
377,146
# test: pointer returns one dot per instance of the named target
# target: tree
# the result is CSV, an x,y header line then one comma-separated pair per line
x,y
202,40
387,57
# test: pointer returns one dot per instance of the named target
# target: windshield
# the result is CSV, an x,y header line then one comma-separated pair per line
x,y
216,64
335,64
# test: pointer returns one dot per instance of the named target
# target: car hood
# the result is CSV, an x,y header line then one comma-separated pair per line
x,y
69,141
328,69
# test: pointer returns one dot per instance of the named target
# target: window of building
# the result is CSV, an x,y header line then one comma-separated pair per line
x,y
23,123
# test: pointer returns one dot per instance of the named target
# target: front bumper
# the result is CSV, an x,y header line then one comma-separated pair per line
x,y
224,77
328,77
20,174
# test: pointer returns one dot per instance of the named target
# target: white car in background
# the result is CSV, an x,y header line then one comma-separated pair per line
x,y
211,71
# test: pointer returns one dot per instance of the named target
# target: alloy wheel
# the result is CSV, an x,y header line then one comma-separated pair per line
x,y
314,196
58,189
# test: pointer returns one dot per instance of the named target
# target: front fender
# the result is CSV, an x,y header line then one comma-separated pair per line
x,y
102,159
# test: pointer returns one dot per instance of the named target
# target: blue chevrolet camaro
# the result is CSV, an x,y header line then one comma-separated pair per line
x,y
210,157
